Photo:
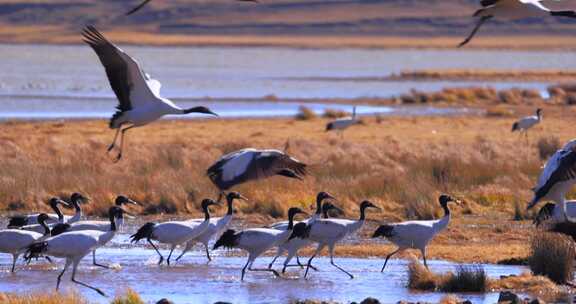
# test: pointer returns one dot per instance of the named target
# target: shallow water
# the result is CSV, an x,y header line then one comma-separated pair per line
x,y
71,80
192,280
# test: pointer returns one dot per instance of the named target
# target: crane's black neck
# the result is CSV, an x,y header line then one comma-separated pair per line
x,y
318,205
76,204
112,217
46,228
291,221
57,211
206,213
445,207
325,213
363,212
230,200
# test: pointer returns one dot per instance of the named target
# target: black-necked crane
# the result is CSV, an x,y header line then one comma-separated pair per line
x,y
173,233
328,232
527,122
512,10
556,179
252,164
103,226
216,227
294,244
140,102
31,219
256,241
15,241
74,246
415,234
342,124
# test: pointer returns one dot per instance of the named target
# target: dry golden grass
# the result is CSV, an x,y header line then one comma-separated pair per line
x,y
402,167
486,74
43,298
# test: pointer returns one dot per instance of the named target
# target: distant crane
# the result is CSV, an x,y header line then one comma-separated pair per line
x,y
527,122
138,95
15,241
256,241
415,234
173,233
512,9
74,246
252,164
342,124
328,232
215,228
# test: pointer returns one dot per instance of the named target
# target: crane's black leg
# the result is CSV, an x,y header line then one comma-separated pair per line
x,y
68,262
320,247
157,251
388,257
207,252
476,28
122,142
424,257
245,266
83,284
94,261
113,144
14,258
334,264
170,254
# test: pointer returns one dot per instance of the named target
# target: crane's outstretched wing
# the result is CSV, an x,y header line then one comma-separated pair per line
x,y
561,168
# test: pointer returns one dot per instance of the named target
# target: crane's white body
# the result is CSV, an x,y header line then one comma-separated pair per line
x,y
15,242
32,219
292,246
76,244
215,228
330,231
417,234
258,240
178,232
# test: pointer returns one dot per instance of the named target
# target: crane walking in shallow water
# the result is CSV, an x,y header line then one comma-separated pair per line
x,y
328,232
174,233
215,228
415,234
257,241
74,246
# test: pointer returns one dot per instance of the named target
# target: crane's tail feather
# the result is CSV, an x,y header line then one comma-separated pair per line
x,y
229,239
515,127
35,250
145,232
300,230
17,221
384,230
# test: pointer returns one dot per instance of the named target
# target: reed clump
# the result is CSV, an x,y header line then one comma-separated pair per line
x,y
129,297
466,279
43,298
552,255
305,113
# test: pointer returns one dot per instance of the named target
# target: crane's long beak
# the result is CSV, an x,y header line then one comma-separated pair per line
x,y
133,202
242,197
64,203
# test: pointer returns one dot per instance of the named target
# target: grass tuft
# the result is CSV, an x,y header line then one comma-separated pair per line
x,y
466,279
129,297
547,146
552,255
305,113
43,298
